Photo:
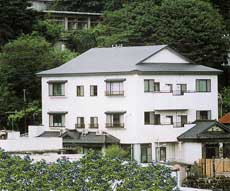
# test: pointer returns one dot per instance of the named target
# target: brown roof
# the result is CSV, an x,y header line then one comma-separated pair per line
x,y
225,119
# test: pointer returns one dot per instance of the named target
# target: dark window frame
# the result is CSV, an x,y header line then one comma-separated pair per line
x,y
80,91
54,117
53,92
93,90
208,85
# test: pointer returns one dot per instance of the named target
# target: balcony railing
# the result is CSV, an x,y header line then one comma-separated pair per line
x,y
115,125
175,124
178,124
93,125
114,93
80,125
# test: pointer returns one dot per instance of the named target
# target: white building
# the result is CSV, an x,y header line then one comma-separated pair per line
x,y
144,98
70,20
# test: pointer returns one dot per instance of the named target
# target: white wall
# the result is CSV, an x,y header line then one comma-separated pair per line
x,y
31,144
135,102
191,152
165,56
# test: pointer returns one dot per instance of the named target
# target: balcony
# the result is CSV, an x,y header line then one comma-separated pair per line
x,y
93,125
115,125
114,93
79,125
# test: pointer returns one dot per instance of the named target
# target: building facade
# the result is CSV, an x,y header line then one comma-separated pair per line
x,y
143,98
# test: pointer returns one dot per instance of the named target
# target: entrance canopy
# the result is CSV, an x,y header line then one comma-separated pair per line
x,y
206,130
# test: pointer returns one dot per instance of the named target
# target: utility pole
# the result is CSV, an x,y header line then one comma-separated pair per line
x,y
24,100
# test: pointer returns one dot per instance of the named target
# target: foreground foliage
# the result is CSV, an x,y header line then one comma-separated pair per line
x,y
93,172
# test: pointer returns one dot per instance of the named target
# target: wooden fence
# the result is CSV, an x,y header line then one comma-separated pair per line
x,y
214,167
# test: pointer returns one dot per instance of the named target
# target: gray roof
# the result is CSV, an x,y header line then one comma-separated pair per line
x,y
123,60
50,134
199,132
74,136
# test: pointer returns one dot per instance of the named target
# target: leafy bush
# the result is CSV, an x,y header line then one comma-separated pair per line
x,y
114,151
93,172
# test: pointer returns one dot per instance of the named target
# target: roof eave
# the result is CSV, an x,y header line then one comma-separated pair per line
x,y
130,72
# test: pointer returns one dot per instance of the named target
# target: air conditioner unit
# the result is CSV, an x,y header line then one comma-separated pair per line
x,y
85,132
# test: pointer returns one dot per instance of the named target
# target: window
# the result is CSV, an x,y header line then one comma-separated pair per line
x,y
115,120
114,88
146,153
170,86
148,85
57,120
157,119
203,115
170,118
151,86
80,122
203,85
80,90
184,120
151,118
93,122
93,90
160,153
156,86
182,88
56,89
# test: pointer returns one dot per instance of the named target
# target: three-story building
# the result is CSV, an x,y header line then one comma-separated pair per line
x,y
142,98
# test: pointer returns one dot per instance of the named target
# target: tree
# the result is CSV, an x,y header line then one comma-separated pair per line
x,y
81,40
224,9
79,5
226,99
15,19
49,30
114,151
20,61
192,27
92,172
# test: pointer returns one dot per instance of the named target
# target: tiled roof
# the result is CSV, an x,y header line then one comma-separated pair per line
x,y
50,134
200,131
225,119
73,136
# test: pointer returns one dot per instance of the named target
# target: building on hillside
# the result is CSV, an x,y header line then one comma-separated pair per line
x,y
141,97
150,100
70,20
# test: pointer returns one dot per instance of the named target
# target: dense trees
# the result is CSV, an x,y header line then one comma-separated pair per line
x,y
15,19
192,27
225,93
92,172
20,60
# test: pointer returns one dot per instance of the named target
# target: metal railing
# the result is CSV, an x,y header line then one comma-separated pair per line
x,y
115,125
114,93
93,125
80,125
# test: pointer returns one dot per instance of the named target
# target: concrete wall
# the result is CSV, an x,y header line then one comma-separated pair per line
x,y
31,144
191,152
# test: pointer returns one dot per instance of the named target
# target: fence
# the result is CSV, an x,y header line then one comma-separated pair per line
x,y
214,167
